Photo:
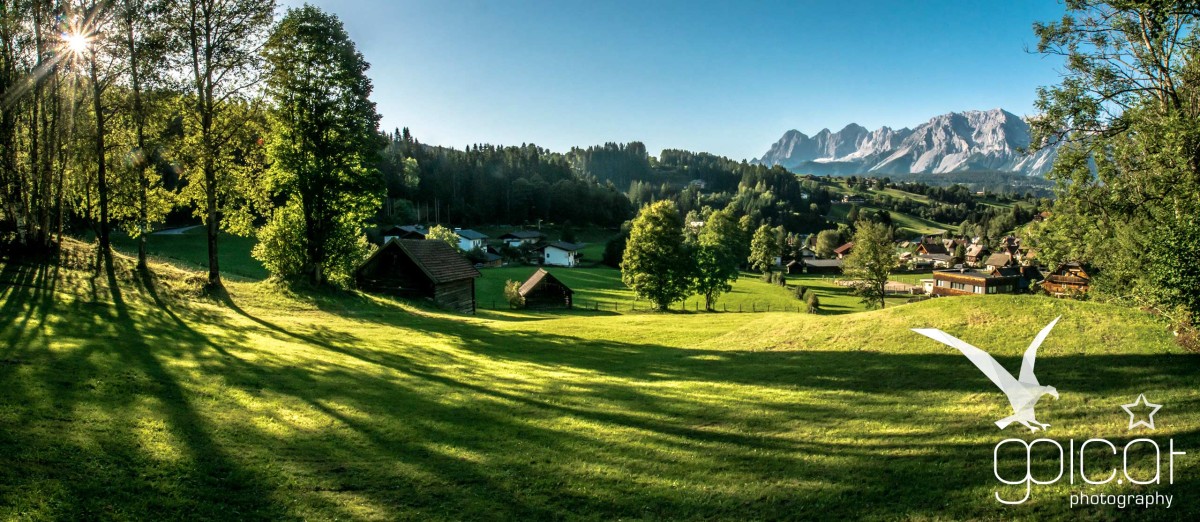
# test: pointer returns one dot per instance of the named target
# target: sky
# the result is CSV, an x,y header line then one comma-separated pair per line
x,y
726,77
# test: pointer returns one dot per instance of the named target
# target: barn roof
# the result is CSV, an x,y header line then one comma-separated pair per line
x,y
823,263
844,248
467,233
563,245
440,262
537,279
999,259
523,234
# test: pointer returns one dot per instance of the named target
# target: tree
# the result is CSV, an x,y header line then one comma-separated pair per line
x,y
220,41
656,263
716,257
871,262
512,294
444,234
145,45
763,249
325,139
827,241
1127,118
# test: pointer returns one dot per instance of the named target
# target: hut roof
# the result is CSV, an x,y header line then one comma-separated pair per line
x,y
537,279
440,262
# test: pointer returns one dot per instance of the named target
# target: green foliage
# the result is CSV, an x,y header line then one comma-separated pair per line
x,y
871,262
656,263
1129,176
324,142
812,303
614,250
763,249
444,234
827,241
799,291
512,294
281,243
717,257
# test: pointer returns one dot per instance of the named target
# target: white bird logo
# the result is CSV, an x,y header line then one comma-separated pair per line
x,y
1023,393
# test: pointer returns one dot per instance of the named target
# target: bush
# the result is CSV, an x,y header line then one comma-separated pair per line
x,y
814,303
799,292
512,293
782,280
768,276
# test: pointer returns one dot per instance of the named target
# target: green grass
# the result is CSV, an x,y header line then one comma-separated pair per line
x,y
191,247
601,288
142,403
902,221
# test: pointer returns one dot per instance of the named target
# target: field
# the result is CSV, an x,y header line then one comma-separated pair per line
x,y
904,222
124,399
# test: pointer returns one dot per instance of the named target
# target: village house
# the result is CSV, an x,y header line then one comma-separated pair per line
x,y
1068,279
965,281
469,240
935,260
794,267
1000,260
543,290
844,250
404,232
520,238
977,253
561,253
855,199
411,268
928,248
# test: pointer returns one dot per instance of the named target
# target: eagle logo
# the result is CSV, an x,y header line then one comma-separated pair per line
x,y
1023,392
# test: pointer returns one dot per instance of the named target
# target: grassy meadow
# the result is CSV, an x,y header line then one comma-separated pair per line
x,y
126,398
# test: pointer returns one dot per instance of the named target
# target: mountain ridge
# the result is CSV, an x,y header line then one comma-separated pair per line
x,y
991,140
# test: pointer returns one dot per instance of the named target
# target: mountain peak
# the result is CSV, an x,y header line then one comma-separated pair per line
x,y
970,140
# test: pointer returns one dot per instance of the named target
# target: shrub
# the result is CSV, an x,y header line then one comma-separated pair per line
x,y
1186,334
512,293
814,303
782,280
799,292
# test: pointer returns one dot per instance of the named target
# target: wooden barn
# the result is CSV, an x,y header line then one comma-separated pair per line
x,y
543,290
417,268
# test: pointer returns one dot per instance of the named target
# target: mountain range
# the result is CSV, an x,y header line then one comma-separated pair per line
x,y
993,140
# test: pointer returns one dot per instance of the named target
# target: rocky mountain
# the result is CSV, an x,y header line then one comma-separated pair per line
x,y
955,142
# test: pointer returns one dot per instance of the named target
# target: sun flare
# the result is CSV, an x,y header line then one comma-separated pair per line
x,y
77,42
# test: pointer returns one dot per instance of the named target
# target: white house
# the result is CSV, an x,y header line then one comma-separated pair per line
x,y
469,240
561,253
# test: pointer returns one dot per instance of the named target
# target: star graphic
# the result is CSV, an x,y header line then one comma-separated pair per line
x,y
1145,404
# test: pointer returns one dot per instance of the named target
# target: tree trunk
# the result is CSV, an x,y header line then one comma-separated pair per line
x,y
101,167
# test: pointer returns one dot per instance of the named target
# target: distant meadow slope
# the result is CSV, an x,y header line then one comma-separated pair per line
x,y
147,402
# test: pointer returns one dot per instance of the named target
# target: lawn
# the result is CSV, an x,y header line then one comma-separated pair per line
x,y
601,289
136,401
902,221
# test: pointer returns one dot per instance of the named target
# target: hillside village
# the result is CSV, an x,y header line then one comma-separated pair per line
x,y
935,263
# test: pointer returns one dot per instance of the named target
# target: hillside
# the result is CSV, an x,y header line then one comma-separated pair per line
x,y
143,402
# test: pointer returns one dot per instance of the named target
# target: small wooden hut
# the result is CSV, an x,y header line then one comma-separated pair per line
x,y
420,268
543,290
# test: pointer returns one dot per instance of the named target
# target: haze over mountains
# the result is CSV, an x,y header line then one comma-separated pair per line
x,y
967,141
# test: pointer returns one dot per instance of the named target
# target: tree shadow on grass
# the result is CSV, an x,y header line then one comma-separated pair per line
x,y
494,424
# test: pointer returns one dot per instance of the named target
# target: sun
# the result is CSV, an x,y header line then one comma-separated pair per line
x,y
77,42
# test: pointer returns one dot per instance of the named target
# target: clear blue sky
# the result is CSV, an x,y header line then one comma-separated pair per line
x,y
721,77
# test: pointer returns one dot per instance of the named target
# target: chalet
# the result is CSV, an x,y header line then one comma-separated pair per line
x,y
977,253
858,200
1010,245
823,266
965,281
1041,216
543,290
469,240
1068,279
412,268
844,250
927,247
1000,260
561,253
936,260
520,238
404,232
